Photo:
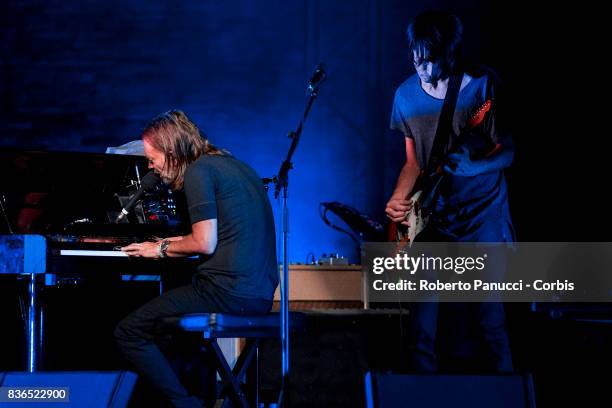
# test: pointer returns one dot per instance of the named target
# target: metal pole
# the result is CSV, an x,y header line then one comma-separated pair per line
x,y
32,326
285,305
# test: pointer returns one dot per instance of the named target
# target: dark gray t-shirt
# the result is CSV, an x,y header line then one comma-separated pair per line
x,y
469,208
244,262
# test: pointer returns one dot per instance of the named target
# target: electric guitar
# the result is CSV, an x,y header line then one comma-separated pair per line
x,y
426,187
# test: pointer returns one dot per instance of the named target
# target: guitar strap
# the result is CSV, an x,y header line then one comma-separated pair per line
x,y
445,123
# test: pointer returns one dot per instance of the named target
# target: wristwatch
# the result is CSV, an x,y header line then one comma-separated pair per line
x,y
163,247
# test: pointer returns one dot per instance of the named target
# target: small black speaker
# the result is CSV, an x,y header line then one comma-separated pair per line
x,y
111,389
443,391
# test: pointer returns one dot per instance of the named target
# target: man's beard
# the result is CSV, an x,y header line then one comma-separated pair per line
x,y
165,177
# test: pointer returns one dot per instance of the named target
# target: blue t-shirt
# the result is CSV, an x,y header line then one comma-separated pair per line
x,y
468,208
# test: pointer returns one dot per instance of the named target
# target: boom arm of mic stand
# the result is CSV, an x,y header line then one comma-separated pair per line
x,y
283,172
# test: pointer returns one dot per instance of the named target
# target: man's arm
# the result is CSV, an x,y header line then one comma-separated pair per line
x,y
177,238
499,158
202,240
460,163
398,205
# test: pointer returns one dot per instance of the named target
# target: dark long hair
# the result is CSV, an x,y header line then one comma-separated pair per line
x,y
437,35
175,135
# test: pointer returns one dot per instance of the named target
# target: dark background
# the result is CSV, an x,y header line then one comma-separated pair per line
x,y
85,75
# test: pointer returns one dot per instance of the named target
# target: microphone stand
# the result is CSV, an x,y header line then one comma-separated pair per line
x,y
281,184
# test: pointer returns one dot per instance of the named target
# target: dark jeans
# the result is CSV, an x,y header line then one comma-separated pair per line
x,y
472,331
136,334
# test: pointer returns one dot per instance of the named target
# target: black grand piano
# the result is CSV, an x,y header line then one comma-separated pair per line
x,y
57,225
67,193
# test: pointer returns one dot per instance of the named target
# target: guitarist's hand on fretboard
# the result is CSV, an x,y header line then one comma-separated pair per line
x,y
459,163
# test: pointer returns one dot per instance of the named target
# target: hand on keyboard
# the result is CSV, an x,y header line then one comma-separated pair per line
x,y
142,249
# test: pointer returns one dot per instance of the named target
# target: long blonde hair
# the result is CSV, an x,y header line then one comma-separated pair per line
x,y
181,142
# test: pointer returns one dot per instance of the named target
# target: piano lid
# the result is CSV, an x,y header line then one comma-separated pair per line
x,y
66,192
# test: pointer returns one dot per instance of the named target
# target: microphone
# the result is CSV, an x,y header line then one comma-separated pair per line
x,y
318,76
149,181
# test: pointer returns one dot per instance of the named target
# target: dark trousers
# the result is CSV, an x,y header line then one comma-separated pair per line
x,y
136,334
473,332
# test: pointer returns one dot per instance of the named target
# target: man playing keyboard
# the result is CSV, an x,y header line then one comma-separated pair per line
x,y
232,232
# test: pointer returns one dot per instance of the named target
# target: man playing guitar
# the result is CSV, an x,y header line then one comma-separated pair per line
x,y
470,203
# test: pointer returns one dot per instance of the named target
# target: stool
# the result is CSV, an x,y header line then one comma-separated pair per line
x,y
221,325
